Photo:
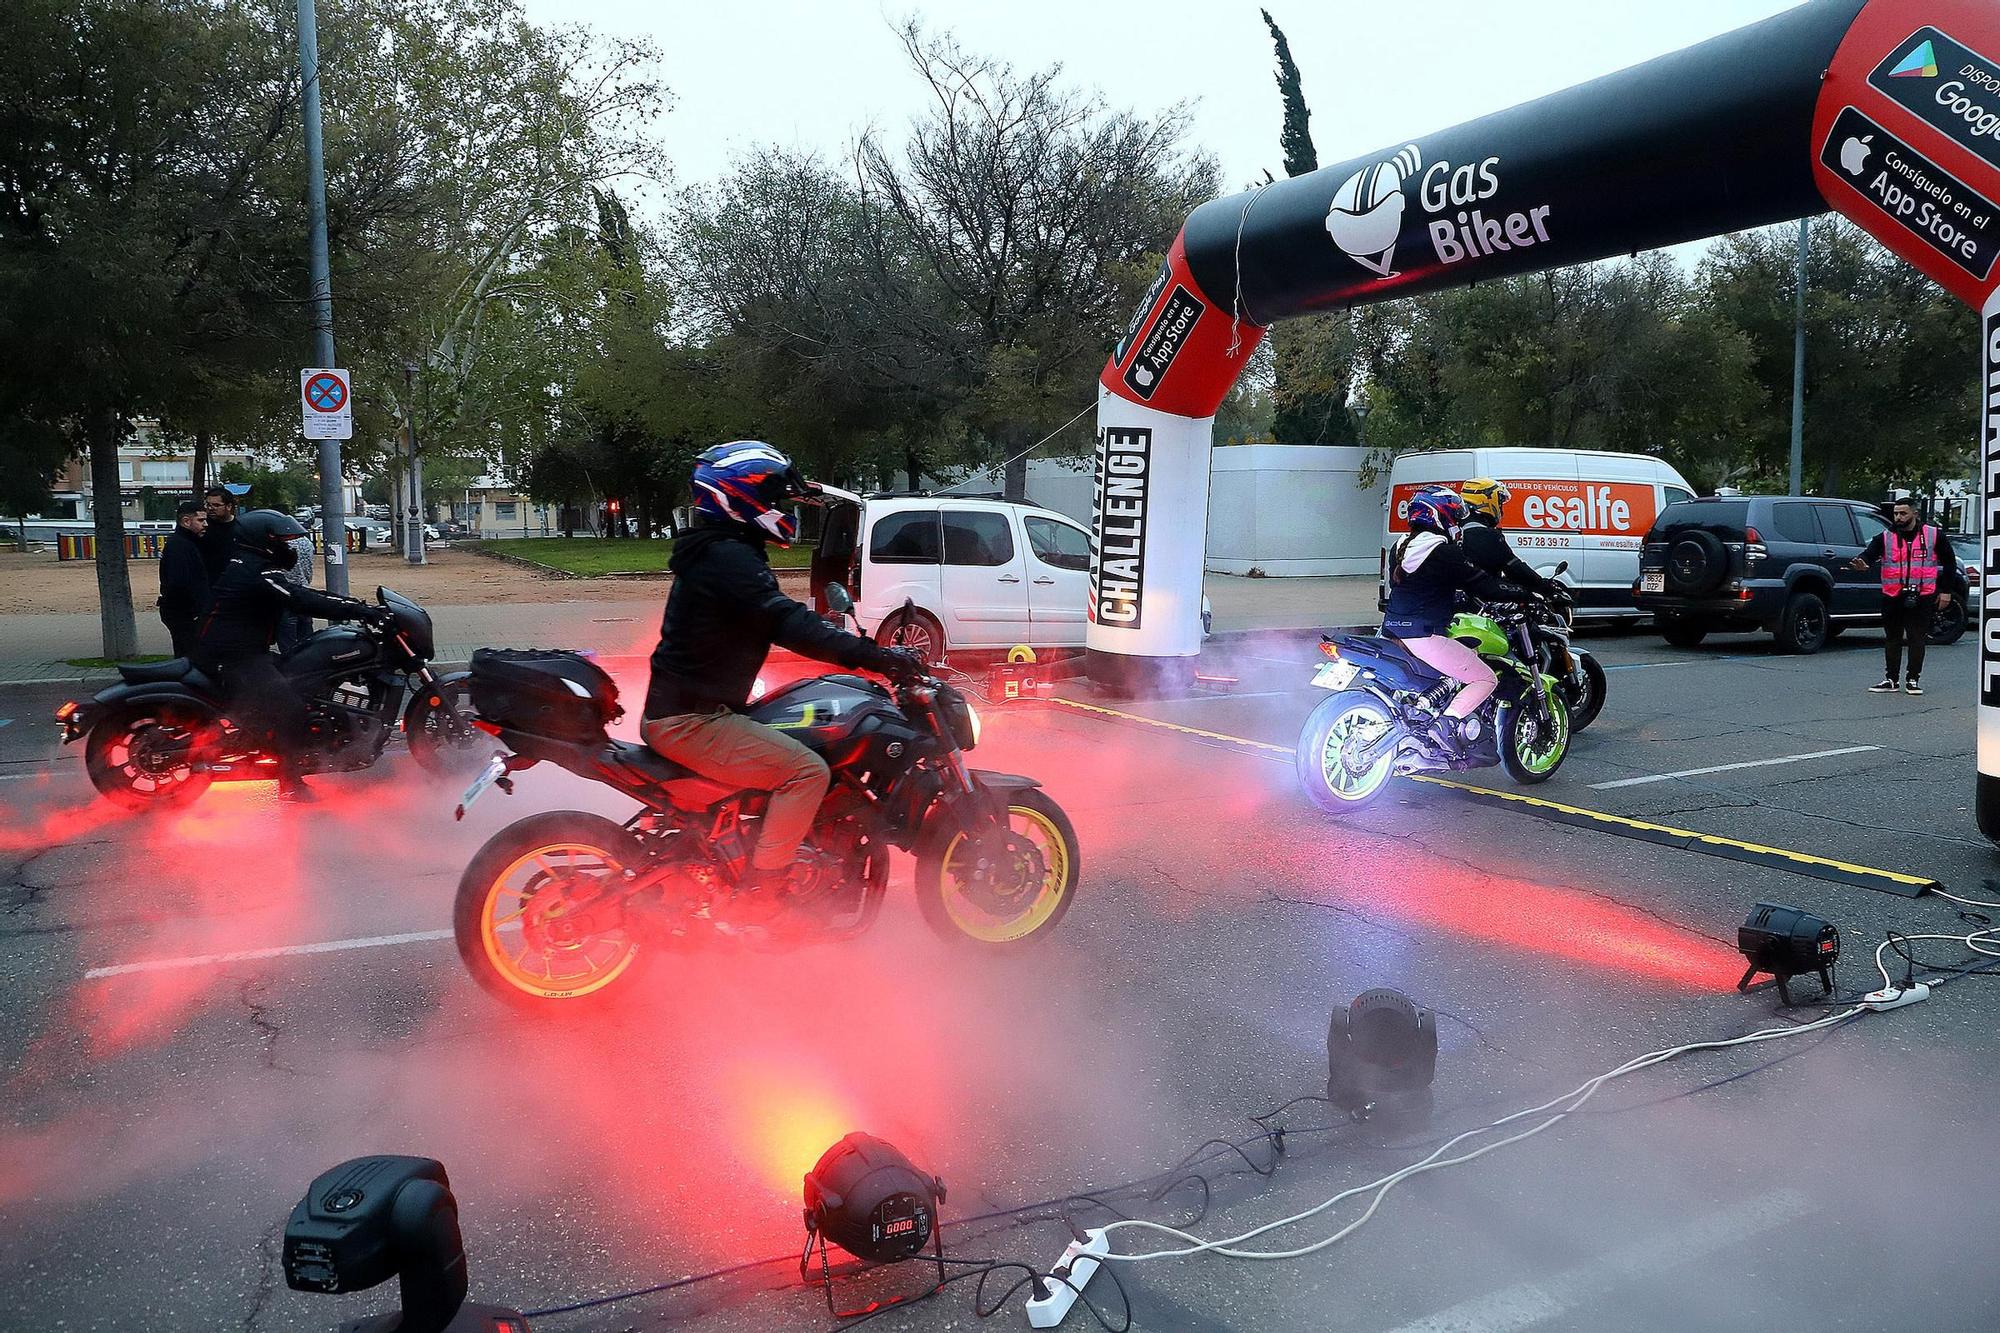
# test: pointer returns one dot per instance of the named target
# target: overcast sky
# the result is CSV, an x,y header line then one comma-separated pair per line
x,y
747,73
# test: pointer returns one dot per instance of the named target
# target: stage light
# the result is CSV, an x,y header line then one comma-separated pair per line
x,y
1381,1057
866,1197
1786,942
374,1218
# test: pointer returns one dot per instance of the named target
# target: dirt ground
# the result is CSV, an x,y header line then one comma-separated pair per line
x,y
39,583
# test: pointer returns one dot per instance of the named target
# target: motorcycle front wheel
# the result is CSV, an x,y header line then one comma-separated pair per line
x,y
438,726
537,920
1004,888
1585,691
1334,733
147,756
1533,743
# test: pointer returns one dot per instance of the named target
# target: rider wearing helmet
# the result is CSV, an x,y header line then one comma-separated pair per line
x,y
1486,546
1426,573
723,614
249,599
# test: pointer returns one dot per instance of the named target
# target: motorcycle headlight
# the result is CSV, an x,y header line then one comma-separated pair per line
x,y
959,719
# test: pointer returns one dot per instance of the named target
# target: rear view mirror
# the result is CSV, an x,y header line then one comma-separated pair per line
x,y
838,599
1562,569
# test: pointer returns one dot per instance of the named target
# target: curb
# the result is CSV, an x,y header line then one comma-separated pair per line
x,y
1290,633
554,572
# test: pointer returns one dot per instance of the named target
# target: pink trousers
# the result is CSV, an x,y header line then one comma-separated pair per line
x,y
1454,659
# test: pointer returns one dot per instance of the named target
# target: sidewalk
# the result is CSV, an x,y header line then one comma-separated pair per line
x,y
35,646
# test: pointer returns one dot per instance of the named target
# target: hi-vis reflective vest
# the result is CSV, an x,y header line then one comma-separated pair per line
x,y
1910,562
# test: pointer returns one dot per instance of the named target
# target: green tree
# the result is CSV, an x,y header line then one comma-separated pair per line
x,y
1889,382
1295,139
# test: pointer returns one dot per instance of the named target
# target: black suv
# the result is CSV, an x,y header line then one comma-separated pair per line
x,y
1772,562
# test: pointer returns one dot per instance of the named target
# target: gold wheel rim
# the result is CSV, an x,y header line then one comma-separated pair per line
x,y
988,927
501,913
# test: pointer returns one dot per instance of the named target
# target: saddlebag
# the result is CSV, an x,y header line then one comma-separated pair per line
x,y
545,692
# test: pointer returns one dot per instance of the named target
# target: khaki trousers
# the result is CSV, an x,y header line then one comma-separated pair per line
x,y
729,748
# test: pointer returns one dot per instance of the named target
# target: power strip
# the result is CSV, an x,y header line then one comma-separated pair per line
x,y
1071,1272
1882,1001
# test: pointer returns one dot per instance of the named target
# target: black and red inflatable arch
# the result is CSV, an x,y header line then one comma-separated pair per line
x,y
1887,111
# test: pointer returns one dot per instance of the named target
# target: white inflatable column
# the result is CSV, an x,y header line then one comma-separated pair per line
x,y
1989,574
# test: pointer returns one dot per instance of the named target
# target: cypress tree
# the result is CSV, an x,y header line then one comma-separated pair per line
x,y
1296,138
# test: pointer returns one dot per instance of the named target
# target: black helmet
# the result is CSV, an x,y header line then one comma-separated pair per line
x,y
269,533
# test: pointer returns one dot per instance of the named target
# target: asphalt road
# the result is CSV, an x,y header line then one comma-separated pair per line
x,y
156,1126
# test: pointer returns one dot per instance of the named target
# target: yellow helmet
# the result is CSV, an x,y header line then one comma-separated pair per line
x,y
1485,497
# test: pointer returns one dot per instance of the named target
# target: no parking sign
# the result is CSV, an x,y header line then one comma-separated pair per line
x,y
327,400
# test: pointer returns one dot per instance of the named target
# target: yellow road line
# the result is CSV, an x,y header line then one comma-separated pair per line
x,y
1692,838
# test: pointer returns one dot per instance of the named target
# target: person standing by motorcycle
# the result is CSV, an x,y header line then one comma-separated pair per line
x,y
724,613
1486,546
218,542
247,603
184,577
1427,571
1920,573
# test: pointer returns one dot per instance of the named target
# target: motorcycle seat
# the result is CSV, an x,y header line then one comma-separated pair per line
x,y
153,673
649,766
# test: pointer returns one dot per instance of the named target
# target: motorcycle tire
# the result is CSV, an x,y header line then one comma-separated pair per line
x,y
114,755
442,749
1585,700
1310,757
1512,721
486,906
953,908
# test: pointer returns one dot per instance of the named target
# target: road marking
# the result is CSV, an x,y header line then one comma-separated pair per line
x,y
1729,768
18,777
279,951
1530,1303
6,721
1576,816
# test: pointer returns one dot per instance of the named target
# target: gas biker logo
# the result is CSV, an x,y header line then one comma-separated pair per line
x,y
1366,215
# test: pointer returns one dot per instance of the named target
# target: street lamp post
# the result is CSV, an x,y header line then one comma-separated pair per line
x,y
413,520
332,502
1361,407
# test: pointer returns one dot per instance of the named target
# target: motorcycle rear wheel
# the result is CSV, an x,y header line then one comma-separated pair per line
x,y
523,953
1585,701
143,757
1328,783
1009,908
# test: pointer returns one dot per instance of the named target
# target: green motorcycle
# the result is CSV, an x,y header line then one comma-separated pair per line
x,y
1376,723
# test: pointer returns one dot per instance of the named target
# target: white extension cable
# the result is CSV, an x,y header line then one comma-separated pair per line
x,y
1570,1102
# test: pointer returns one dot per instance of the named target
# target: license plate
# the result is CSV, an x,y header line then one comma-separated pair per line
x,y
1653,580
487,776
1335,675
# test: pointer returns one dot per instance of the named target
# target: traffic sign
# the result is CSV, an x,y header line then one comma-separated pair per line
x,y
327,400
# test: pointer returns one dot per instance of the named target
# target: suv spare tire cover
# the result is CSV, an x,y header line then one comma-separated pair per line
x,y
1697,562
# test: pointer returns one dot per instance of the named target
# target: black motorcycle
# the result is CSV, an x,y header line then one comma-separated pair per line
x,y
1549,624
160,736
558,906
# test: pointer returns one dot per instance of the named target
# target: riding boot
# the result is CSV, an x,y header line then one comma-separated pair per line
x,y
292,787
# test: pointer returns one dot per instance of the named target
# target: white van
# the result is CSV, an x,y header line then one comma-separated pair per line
x,y
1584,506
983,574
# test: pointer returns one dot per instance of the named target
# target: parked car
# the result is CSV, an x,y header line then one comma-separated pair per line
x,y
1771,562
981,573
448,531
1586,507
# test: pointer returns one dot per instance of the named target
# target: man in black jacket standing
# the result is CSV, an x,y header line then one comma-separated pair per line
x,y
245,606
723,615
184,577
218,543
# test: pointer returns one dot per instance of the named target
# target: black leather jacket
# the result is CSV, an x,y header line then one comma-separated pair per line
x,y
247,600
724,613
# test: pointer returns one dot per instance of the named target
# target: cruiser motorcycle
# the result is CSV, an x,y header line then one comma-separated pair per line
x,y
159,737
1376,723
564,906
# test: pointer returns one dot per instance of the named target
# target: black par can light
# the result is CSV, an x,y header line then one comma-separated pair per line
x,y
1381,1056
868,1198
374,1218
1786,942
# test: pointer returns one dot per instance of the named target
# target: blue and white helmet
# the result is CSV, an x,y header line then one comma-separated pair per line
x,y
1436,509
747,481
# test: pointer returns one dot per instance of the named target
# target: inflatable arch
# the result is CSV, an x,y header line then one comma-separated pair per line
x,y
1887,111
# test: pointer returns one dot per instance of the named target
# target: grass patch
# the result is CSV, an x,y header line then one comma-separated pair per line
x,y
594,556
105,663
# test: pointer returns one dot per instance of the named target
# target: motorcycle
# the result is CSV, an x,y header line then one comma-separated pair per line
x,y
1377,723
557,907
159,737
1550,624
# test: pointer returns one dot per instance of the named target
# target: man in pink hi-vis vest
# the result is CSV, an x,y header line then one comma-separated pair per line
x,y
1920,576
